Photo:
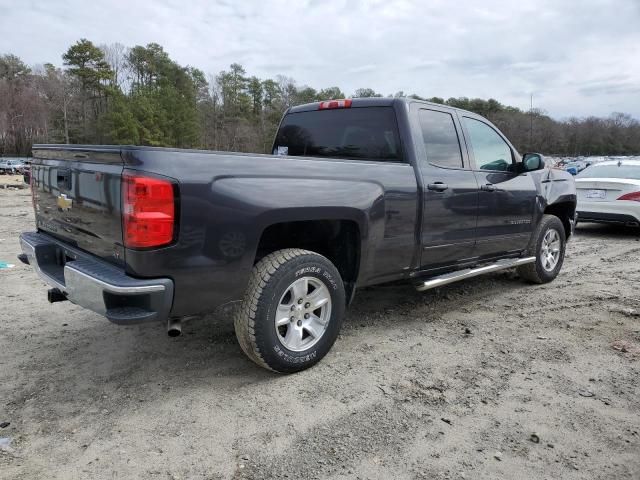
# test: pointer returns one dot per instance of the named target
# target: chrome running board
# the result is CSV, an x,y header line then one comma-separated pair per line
x,y
472,272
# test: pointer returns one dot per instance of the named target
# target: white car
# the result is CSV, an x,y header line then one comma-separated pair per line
x,y
609,192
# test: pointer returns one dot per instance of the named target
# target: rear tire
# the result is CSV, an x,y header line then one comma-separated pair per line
x,y
548,245
292,310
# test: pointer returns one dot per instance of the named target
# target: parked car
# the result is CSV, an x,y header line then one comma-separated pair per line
x,y
358,192
609,192
11,166
575,167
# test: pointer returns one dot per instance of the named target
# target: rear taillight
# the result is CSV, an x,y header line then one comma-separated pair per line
x,y
148,211
334,104
633,196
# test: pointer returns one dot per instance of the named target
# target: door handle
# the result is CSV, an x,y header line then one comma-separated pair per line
x,y
488,188
437,187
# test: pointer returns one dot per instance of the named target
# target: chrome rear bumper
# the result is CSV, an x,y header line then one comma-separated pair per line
x,y
95,284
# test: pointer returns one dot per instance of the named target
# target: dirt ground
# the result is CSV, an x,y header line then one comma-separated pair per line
x,y
489,378
16,181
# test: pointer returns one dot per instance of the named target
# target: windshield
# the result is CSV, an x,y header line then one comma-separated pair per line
x,y
628,171
369,133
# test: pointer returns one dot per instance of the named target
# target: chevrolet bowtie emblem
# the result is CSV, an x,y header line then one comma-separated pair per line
x,y
64,203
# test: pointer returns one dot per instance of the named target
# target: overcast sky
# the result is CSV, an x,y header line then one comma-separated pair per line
x,y
577,57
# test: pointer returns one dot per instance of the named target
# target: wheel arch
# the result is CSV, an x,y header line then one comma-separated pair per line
x,y
338,239
565,210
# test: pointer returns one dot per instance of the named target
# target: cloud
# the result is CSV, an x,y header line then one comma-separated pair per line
x,y
610,88
578,57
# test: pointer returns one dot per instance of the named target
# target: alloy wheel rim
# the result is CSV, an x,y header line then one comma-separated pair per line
x,y
550,252
303,314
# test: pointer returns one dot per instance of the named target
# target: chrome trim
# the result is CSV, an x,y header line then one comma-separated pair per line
x,y
30,251
472,272
71,275
87,291
86,288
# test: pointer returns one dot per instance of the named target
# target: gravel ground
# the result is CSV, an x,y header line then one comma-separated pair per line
x,y
489,378
15,181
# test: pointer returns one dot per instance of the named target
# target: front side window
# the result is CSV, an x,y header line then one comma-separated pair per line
x,y
440,139
365,133
490,151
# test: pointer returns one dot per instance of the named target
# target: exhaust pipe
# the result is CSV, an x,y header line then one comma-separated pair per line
x,y
174,327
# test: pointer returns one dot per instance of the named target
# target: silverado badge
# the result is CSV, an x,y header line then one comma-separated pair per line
x,y
64,203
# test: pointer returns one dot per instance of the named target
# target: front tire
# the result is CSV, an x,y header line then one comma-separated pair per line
x,y
292,310
548,244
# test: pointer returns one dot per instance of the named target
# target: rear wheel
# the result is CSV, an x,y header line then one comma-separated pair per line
x,y
548,245
292,311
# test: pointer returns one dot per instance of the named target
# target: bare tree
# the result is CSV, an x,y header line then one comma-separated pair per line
x,y
115,55
61,93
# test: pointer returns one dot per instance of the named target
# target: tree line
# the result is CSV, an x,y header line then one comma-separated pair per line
x,y
111,94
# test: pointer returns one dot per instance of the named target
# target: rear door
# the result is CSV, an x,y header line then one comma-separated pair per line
x,y
507,198
77,197
450,200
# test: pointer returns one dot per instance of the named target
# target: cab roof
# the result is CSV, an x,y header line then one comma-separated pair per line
x,y
374,102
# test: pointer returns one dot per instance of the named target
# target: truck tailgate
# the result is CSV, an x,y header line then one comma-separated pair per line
x,y
77,197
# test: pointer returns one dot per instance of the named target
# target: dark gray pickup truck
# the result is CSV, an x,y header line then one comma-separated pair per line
x,y
357,192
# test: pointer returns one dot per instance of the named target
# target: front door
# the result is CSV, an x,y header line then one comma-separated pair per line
x,y
507,198
450,191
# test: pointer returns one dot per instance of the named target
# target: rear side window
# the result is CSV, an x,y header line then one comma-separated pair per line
x,y
369,133
440,139
490,151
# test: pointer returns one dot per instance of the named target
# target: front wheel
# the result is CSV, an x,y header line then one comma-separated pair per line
x,y
292,311
548,245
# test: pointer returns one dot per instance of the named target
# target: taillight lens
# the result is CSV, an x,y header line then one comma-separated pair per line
x,y
633,196
148,211
331,104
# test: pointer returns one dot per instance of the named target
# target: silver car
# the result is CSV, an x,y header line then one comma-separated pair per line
x,y
11,166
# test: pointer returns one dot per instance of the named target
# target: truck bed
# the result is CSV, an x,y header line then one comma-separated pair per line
x,y
226,201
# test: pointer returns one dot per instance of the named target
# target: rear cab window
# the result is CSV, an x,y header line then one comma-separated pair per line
x,y
362,133
440,137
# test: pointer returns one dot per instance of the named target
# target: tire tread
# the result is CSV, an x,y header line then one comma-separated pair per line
x,y
245,316
530,271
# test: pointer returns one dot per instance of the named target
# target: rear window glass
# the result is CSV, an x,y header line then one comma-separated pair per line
x,y
369,133
440,139
631,172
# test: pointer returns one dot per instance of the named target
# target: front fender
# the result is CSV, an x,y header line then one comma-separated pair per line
x,y
556,195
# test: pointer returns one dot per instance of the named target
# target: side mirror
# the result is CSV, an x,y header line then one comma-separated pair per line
x,y
532,161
